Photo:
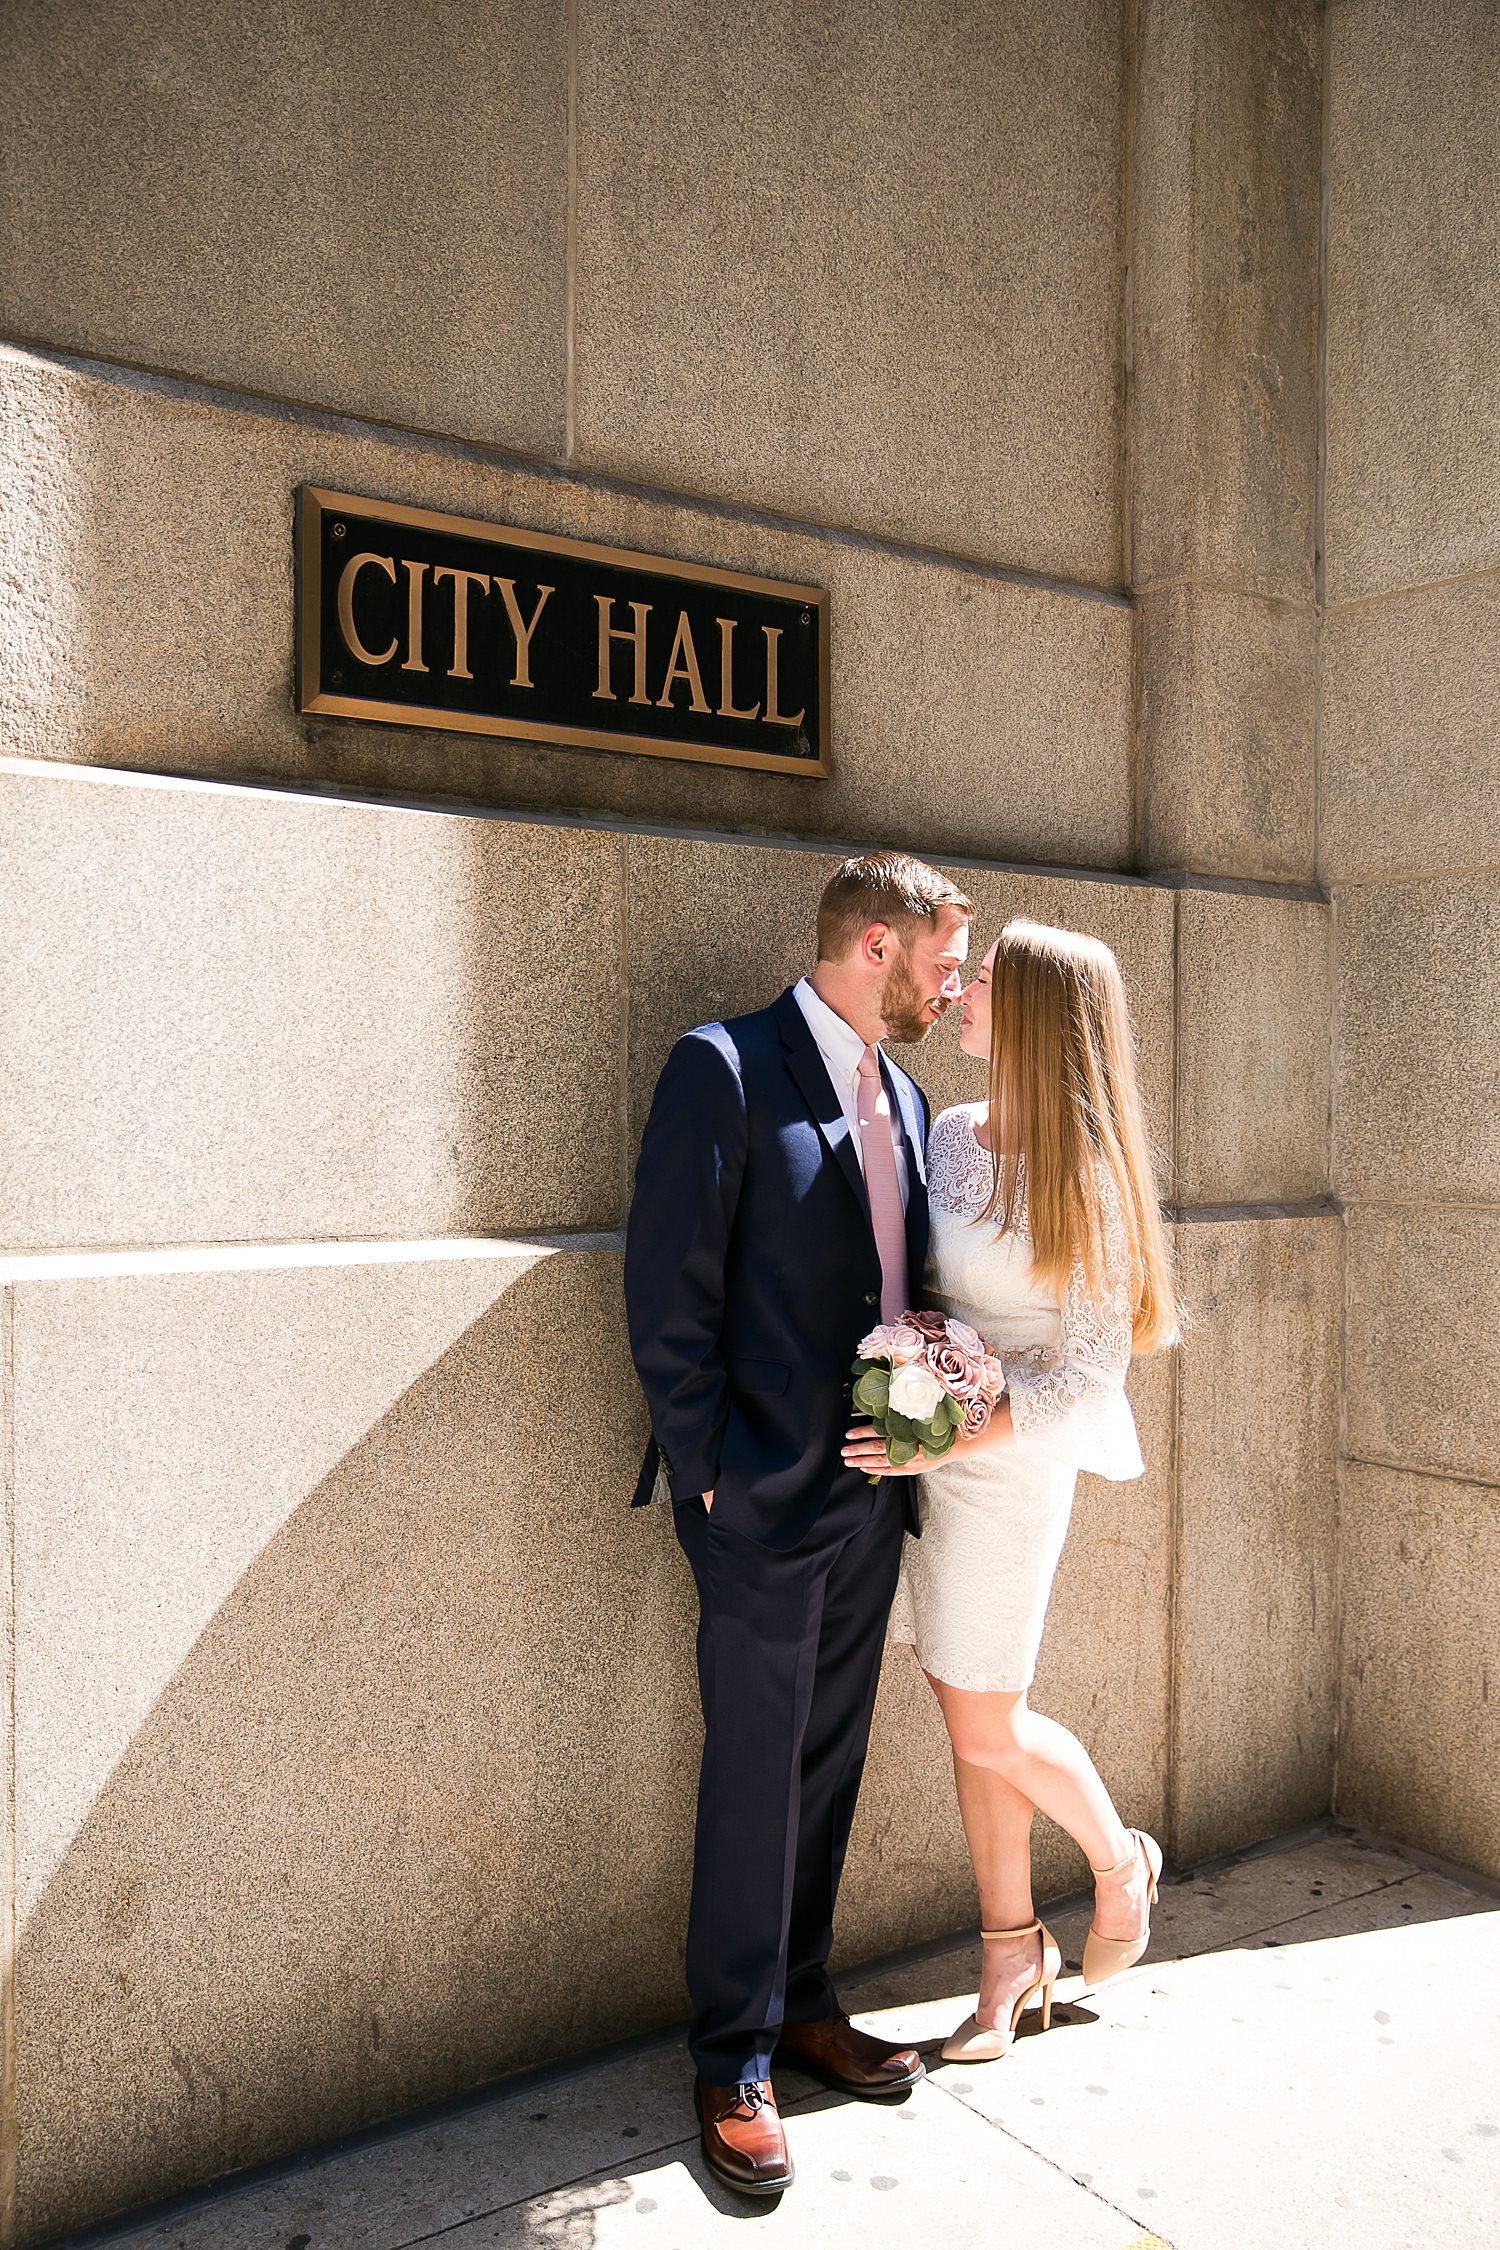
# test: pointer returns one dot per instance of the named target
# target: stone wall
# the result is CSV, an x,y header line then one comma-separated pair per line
x,y
1410,842
353,1728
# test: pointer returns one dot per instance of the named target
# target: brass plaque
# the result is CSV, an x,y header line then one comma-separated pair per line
x,y
426,620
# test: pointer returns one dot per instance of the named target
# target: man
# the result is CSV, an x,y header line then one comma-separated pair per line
x,y
780,1211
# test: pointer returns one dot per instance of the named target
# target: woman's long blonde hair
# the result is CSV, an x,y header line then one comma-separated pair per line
x,y
1063,1094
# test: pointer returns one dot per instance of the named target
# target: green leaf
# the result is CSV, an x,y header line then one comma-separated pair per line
x,y
948,1411
902,1450
902,1426
944,1442
872,1392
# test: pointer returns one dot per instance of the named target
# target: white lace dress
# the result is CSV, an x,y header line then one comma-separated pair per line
x,y
974,1588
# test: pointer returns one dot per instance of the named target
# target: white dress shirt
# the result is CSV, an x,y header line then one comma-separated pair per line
x,y
841,1047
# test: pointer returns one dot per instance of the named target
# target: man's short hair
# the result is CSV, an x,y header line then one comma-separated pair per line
x,y
889,887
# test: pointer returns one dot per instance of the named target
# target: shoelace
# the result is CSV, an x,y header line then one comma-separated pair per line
x,y
748,2101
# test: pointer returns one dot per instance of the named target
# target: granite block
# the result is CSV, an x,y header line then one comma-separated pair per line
x,y
1413,295
1419,1752
1225,322
354,1706
327,204
916,214
1228,768
1422,1344
1416,968
1411,745
241,1015
1253,1031
1254,1574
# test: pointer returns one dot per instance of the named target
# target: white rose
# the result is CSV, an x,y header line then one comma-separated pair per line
x,y
915,1392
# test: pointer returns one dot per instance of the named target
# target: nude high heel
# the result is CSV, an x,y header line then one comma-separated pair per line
x,y
1105,1957
976,2042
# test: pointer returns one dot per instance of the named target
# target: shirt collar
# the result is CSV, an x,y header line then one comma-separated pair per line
x,y
838,1042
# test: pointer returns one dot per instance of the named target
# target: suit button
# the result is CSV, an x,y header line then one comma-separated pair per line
x,y
871,1297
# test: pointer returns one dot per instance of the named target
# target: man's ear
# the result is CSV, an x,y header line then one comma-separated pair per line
x,y
875,945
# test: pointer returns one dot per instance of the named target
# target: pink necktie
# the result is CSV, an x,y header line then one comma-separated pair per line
x,y
873,1108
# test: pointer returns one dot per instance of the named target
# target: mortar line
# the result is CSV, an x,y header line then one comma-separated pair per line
x,y
166,1260
163,1260
1305,1914
1337,1715
1207,582
1360,1203
1171,1795
460,808
1387,878
1479,1481
1221,1214
1053,2164
548,469
1417,586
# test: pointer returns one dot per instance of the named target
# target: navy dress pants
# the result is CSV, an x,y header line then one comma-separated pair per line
x,y
789,1648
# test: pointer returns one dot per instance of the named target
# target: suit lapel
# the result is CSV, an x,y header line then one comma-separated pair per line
x,y
810,1073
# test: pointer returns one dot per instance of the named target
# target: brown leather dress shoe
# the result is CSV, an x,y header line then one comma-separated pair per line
x,y
743,2143
853,2061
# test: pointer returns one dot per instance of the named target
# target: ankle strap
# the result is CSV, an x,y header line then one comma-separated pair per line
x,y
1135,1852
1024,1931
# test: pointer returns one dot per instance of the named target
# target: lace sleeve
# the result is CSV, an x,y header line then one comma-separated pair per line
x,y
1069,1399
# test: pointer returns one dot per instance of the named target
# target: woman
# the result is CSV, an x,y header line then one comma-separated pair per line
x,y
1046,1238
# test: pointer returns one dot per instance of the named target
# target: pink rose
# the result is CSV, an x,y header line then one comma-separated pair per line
x,y
930,1326
991,1379
877,1345
906,1344
977,1416
955,1370
967,1339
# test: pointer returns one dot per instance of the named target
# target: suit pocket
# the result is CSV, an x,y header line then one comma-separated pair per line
x,y
769,1375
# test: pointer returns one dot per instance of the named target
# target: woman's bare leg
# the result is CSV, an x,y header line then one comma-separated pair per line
x,y
1043,1763
997,1825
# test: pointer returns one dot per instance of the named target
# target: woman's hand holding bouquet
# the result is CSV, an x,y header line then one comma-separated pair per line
x,y
926,1383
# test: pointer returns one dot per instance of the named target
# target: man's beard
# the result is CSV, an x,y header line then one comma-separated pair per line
x,y
906,1015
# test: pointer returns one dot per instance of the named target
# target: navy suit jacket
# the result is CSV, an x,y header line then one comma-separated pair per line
x,y
751,1271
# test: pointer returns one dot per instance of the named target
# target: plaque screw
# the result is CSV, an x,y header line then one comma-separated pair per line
x,y
805,618
337,678
338,533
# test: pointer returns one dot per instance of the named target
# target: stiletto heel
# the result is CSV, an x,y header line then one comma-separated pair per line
x,y
977,2042
1106,1957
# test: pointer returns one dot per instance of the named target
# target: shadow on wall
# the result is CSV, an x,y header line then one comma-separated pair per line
x,y
415,1807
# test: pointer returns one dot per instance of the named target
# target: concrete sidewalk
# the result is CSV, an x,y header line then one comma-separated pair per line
x,y
1309,2060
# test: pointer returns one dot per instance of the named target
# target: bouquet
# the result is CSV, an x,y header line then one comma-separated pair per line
x,y
924,1379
